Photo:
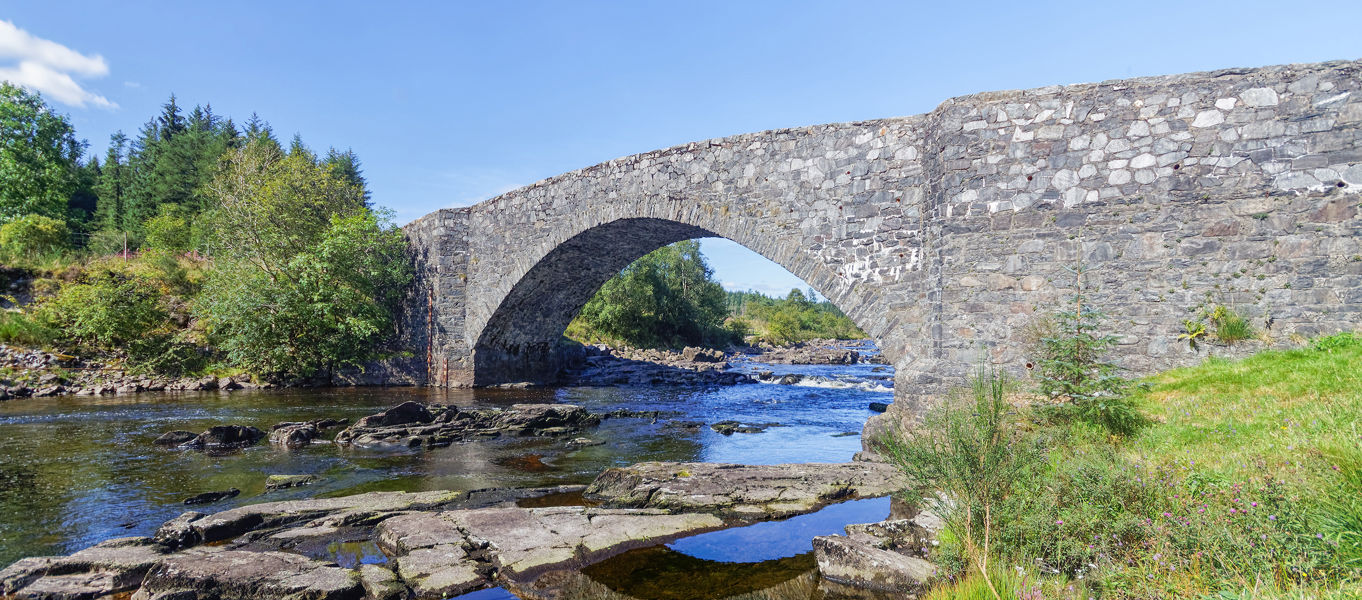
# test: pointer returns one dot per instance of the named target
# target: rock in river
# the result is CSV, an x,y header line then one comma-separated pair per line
x,y
175,438
415,425
211,497
225,437
746,491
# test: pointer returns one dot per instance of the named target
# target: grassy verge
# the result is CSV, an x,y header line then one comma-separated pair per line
x,y
1246,484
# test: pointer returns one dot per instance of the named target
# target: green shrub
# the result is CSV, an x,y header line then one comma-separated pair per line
x,y
21,329
107,311
967,459
1230,325
107,242
34,236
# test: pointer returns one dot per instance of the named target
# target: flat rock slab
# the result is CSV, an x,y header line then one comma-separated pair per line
x,y
189,530
413,425
745,491
518,541
857,564
217,574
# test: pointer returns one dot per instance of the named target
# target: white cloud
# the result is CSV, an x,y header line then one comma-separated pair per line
x,y
48,67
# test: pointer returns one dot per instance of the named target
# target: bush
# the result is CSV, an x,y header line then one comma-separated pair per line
x,y
34,236
21,329
107,242
1073,368
967,459
108,311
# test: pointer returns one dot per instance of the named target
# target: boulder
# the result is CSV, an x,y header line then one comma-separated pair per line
x,y
402,414
693,354
211,497
857,564
222,437
293,435
744,491
879,407
175,438
279,482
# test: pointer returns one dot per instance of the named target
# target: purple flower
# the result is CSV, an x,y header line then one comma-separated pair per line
x,y
1272,517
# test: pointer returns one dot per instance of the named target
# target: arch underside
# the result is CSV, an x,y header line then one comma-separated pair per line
x,y
521,340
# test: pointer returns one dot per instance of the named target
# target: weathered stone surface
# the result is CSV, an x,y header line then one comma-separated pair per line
x,y
293,435
279,482
226,437
380,583
116,565
441,425
857,564
231,523
175,438
441,571
24,571
211,497
911,224
238,575
517,541
750,491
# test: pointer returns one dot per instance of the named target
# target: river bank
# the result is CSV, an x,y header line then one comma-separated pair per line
x,y
37,373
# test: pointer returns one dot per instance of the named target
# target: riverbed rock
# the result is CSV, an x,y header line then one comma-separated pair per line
x,y
293,435
450,424
211,497
405,413
224,437
279,482
109,567
745,491
814,352
732,427
879,407
857,564
218,574
381,583
521,541
175,438
695,354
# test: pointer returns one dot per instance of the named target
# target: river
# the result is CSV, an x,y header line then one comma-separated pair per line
x,y
78,470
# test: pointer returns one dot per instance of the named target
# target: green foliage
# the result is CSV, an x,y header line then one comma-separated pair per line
x,y
306,280
169,230
22,329
106,311
667,298
792,319
1230,325
1194,330
1339,341
33,236
1005,582
965,457
39,156
1073,369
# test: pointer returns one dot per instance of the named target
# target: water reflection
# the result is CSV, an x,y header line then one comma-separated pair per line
x,y
78,470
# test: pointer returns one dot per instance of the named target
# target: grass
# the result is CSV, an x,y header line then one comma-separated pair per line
x,y
1247,485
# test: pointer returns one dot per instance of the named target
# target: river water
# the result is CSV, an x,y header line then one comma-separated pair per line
x,y
78,470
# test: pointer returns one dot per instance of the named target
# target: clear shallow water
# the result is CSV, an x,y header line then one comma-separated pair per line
x,y
78,470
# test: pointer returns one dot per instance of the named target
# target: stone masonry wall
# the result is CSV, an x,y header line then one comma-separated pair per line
x,y
943,234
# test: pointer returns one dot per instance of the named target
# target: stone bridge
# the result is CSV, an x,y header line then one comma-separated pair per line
x,y
942,234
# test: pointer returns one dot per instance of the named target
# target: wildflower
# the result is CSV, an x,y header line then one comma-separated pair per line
x,y
1272,517
1059,522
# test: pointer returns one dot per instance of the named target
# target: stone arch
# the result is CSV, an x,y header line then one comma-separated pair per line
x,y
519,340
941,234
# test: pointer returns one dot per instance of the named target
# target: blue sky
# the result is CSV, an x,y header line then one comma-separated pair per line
x,y
450,103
